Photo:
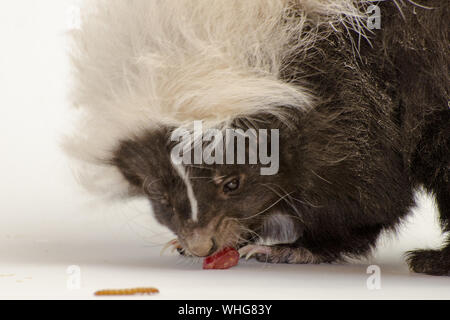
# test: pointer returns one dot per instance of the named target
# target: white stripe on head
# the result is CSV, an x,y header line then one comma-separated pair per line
x,y
190,192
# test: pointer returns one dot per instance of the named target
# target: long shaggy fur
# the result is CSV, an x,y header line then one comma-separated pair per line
x,y
141,64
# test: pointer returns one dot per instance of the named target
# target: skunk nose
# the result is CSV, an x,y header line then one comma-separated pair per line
x,y
200,246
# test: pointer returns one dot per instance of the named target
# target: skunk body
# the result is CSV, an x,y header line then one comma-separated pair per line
x,y
363,117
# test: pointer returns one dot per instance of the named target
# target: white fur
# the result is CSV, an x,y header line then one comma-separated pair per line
x,y
181,170
279,228
139,64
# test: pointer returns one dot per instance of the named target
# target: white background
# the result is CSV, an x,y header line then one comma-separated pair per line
x,y
48,224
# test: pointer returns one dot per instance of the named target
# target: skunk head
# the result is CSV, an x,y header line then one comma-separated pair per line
x,y
207,206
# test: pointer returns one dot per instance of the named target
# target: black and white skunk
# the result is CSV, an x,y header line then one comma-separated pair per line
x,y
363,117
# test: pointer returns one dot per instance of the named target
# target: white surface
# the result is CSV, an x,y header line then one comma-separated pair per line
x,y
47,224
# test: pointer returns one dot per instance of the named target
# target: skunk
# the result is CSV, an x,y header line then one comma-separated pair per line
x,y
362,110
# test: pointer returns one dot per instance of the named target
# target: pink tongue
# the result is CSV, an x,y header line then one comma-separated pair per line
x,y
224,259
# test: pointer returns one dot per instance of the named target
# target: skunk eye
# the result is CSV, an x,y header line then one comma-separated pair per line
x,y
231,186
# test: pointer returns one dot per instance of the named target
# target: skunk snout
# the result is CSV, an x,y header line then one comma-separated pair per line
x,y
200,245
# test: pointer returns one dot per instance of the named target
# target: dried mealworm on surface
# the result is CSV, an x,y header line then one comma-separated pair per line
x,y
127,292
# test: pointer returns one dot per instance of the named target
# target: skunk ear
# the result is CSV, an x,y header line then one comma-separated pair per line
x,y
130,162
141,159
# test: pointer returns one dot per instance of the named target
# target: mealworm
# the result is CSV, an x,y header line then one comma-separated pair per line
x,y
127,292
